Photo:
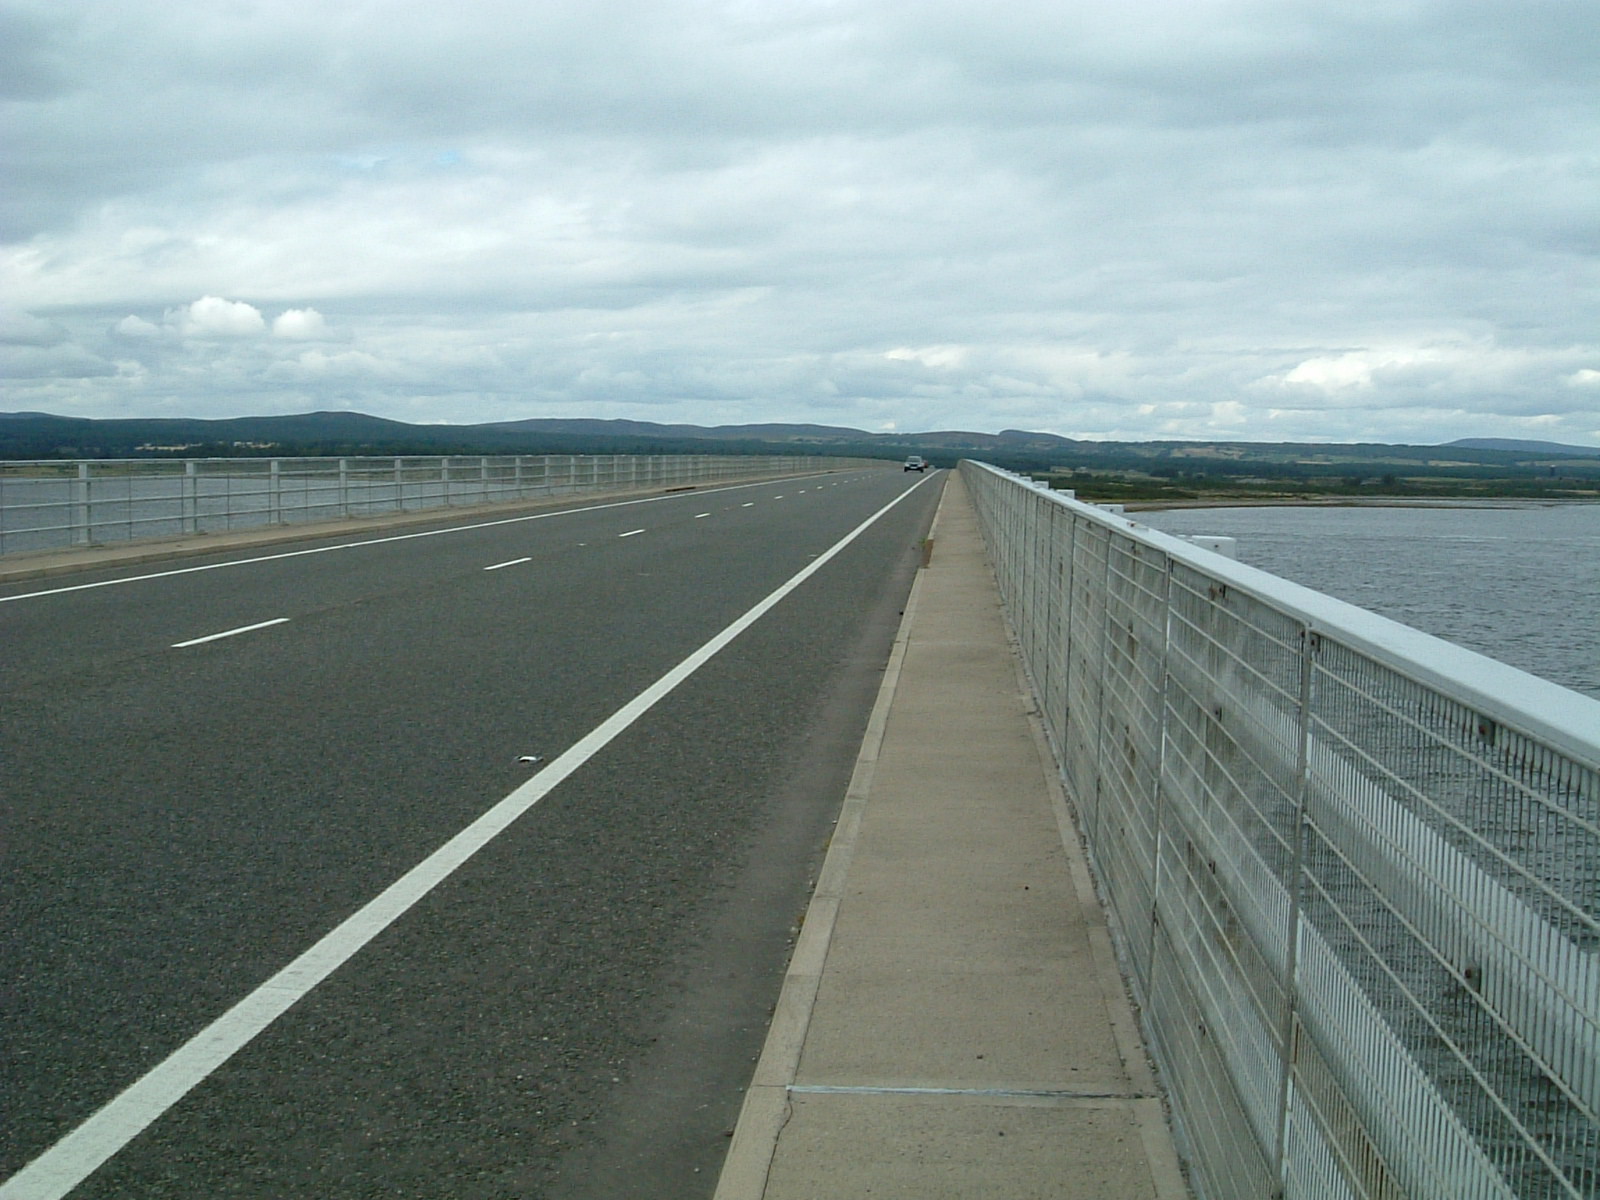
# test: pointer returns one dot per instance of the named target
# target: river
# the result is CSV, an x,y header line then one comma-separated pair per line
x,y
1519,582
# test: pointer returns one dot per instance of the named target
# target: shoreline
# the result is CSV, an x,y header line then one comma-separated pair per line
x,y
1345,502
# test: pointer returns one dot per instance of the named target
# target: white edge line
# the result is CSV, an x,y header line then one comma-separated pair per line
x,y
510,563
227,633
71,1160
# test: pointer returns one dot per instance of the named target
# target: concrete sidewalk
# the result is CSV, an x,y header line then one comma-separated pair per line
x,y
953,1023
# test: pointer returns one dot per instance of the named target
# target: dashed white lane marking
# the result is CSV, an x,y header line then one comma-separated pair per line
x,y
509,563
697,516
67,1163
748,504
227,633
630,533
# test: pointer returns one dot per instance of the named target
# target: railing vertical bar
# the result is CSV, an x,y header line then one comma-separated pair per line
x,y
82,512
1297,884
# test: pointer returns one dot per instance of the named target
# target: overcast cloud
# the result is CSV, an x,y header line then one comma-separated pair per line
x,y
1264,219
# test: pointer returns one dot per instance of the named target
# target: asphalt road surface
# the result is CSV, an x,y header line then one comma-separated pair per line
x,y
572,1010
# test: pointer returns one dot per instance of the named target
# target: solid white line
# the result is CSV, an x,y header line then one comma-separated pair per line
x,y
382,541
211,637
66,1164
630,533
510,563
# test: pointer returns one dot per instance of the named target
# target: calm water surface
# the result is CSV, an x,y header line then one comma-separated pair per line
x,y
1519,583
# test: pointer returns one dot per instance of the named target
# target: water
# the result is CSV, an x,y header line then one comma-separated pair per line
x,y
1518,582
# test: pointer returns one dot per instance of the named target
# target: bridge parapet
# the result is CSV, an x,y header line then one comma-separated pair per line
x,y
59,504
1354,870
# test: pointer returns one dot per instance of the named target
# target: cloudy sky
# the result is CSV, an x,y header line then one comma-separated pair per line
x,y
1266,219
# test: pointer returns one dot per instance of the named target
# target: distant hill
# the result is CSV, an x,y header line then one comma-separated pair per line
x,y
613,428
43,436
1523,446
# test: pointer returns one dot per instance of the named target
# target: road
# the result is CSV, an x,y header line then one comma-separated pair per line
x,y
210,768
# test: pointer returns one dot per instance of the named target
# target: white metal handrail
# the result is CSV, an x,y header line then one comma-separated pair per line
x,y
57,504
1354,870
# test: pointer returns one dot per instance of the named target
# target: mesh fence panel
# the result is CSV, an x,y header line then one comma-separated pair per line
x,y
1358,898
58,505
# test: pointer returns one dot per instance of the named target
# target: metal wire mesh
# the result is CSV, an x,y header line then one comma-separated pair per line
x,y
1357,897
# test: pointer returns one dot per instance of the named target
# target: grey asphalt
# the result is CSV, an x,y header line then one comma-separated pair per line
x,y
574,1012
953,1022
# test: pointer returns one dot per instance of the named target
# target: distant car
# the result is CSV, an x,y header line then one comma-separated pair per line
x,y
916,463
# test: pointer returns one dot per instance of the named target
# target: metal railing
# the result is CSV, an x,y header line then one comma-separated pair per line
x,y
48,505
1353,870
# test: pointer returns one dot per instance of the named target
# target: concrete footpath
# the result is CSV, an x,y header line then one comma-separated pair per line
x,y
953,1023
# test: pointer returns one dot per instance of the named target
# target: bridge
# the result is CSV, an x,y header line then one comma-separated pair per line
x,y
273,933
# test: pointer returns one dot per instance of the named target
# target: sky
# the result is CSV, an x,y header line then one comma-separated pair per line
x,y
1267,220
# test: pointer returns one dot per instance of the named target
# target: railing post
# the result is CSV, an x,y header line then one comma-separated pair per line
x,y
1158,817
344,487
188,498
1296,884
82,528
275,492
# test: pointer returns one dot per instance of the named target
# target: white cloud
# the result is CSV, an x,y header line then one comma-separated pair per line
x,y
929,356
1354,369
212,316
300,324
1587,377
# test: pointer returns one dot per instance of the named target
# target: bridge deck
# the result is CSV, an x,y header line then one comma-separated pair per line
x,y
953,1022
